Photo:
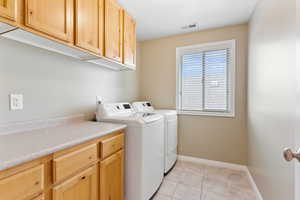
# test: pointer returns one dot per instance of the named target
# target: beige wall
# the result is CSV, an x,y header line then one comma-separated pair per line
x,y
215,138
271,97
56,85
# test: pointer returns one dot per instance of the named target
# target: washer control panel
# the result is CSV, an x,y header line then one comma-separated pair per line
x,y
112,109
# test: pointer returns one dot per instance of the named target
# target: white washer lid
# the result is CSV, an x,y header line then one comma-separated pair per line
x,y
137,118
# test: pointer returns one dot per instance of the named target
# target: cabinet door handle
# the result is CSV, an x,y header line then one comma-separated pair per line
x,y
83,177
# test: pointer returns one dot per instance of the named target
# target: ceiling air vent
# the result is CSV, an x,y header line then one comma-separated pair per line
x,y
190,26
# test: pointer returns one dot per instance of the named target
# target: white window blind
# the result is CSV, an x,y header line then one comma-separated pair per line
x,y
205,78
192,82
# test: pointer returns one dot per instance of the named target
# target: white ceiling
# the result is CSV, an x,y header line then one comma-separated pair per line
x,y
160,18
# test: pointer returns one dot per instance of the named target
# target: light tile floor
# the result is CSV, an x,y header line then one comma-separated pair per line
x,y
193,181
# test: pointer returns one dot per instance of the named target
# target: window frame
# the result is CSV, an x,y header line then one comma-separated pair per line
x,y
180,51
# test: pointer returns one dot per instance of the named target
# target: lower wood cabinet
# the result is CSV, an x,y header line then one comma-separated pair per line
x,y
7,9
23,185
66,165
111,145
41,197
76,173
83,186
111,177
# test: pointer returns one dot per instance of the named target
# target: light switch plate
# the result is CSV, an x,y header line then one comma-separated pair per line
x,y
16,102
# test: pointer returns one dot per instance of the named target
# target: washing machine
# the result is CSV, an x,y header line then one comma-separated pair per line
x,y
170,139
144,148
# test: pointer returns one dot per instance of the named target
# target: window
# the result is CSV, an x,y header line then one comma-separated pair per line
x,y
206,79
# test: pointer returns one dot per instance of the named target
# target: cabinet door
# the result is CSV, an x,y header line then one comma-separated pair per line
x,y
41,197
129,40
70,163
113,30
52,17
7,9
23,185
83,186
89,22
111,177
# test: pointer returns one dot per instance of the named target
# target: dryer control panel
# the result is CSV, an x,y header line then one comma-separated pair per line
x,y
143,106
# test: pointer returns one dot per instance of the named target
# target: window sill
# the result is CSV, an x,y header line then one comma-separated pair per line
x,y
211,114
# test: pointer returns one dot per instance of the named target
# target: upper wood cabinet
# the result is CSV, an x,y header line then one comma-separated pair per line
x,y
7,9
83,186
93,28
111,177
89,25
52,17
129,40
113,30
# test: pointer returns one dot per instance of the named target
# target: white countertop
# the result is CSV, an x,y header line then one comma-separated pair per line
x,y
25,146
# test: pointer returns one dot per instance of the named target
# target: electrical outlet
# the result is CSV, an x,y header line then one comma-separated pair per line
x,y
16,102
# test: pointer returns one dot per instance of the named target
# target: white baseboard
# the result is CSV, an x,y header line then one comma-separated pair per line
x,y
224,165
213,163
254,186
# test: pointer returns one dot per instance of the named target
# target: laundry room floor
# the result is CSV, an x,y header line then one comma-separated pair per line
x,y
193,181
